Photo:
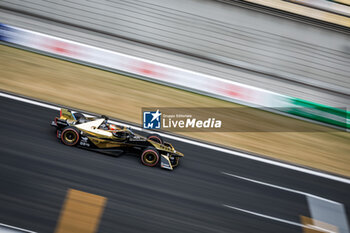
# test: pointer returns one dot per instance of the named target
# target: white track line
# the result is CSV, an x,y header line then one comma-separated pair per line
x,y
15,228
282,188
279,219
211,147
21,99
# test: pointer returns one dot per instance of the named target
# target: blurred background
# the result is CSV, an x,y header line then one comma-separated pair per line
x,y
116,57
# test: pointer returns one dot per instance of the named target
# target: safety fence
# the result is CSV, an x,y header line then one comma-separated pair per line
x,y
174,76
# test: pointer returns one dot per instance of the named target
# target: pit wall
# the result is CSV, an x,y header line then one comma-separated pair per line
x,y
173,76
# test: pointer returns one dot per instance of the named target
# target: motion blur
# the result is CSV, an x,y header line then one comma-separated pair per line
x,y
254,93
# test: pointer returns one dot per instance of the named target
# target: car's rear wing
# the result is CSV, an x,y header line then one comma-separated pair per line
x,y
61,121
66,114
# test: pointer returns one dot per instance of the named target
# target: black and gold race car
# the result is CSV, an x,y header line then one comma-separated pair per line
x,y
96,133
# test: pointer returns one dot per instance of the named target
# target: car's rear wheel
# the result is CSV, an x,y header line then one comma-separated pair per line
x,y
156,138
150,157
70,136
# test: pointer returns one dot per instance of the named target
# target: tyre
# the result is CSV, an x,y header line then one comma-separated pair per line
x,y
58,134
70,136
150,157
155,138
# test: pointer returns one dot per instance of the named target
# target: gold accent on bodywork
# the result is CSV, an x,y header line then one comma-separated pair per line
x,y
161,147
66,114
167,158
166,148
179,154
97,135
169,145
103,143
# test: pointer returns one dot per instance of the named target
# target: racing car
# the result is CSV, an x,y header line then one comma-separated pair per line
x,y
97,133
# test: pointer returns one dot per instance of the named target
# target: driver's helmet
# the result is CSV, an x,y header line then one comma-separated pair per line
x,y
112,127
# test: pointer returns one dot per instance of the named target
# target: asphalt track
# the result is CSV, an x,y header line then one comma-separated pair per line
x,y
36,171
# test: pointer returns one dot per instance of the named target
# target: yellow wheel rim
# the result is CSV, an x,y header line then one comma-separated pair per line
x,y
150,157
70,136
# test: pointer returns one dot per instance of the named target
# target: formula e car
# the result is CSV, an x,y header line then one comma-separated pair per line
x,y
96,133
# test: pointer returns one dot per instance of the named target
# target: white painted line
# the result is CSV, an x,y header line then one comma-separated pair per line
x,y
211,147
29,101
279,219
282,188
15,228
266,216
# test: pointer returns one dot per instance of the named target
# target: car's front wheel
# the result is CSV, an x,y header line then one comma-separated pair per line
x,y
150,157
156,138
70,136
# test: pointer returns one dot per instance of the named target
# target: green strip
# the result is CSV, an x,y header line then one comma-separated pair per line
x,y
319,112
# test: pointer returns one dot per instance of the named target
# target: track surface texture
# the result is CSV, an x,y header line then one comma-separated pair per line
x,y
36,171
